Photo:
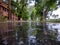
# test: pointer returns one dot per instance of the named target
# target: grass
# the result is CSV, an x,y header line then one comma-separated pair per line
x,y
54,20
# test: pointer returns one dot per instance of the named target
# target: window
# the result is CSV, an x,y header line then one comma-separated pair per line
x,y
4,9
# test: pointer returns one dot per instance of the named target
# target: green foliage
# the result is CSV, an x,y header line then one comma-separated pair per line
x,y
15,4
44,4
42,9
20,9
33,14
54,20
2,18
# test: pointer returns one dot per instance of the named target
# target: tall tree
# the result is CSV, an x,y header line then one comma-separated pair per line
x,y
42,8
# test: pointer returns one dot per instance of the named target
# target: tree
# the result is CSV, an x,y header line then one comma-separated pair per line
x,y
20,9
43,6
42,9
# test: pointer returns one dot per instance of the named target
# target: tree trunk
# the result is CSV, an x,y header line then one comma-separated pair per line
x,y
45,26
44,18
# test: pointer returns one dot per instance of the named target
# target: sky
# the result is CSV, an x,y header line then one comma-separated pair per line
x,y
56,12
32,3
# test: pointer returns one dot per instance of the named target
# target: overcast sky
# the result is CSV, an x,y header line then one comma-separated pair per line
x,y
31,3
55,12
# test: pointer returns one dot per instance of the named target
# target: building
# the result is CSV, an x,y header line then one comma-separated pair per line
x,y
6,28
4,10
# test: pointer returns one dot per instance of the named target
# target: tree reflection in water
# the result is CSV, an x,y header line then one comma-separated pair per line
x,y
19,35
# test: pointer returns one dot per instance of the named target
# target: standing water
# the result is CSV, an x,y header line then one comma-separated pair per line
x,y
31,37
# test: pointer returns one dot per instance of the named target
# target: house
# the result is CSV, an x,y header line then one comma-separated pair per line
x,y
6,28
4,10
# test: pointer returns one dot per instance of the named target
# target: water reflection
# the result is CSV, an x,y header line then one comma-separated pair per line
x,y
31,33
55,26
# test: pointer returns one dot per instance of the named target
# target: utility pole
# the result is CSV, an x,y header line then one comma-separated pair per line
x,y
10,27
9,10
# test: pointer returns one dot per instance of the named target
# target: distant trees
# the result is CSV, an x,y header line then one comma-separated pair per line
x,y
55,16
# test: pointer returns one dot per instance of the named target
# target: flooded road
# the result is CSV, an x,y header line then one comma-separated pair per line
x,y
30,33
55,26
